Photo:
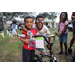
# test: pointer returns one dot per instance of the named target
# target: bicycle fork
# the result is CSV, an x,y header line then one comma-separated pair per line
x,y
42,56
51,53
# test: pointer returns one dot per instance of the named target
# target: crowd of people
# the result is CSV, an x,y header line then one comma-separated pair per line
x,y
40,29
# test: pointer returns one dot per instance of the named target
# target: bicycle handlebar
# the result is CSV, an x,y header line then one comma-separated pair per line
x,y
46,38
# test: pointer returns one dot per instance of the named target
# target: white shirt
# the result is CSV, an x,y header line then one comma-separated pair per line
x,y
43,31
14,27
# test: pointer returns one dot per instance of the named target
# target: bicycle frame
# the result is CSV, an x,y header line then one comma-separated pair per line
x,y
51,44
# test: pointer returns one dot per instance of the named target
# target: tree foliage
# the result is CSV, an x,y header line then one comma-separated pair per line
x,y
50,15
6,16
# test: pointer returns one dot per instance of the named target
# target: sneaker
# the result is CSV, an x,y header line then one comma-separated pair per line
x,y
55,59
69,51
19,41
13,43
61,52
66,53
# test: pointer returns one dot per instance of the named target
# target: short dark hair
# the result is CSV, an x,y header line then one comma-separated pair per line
x,y
14,21
27,18
39,16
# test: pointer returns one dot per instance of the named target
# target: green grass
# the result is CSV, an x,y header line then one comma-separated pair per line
x,y
56,47
13,53
8,51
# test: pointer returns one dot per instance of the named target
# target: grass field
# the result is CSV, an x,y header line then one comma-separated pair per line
x,y
13,53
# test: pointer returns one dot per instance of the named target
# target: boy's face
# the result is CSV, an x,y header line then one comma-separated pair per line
x,y
39,23
29,23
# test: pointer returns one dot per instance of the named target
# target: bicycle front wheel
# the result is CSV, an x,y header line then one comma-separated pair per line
x,y
36,58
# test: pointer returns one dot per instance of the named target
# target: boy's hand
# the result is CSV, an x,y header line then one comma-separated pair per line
x,y
28,35
27,41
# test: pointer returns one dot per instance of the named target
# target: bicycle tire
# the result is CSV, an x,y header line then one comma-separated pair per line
x,y
72,59
36,58
52,60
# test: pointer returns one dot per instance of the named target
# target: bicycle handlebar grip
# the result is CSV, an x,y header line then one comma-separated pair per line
x,y
53,38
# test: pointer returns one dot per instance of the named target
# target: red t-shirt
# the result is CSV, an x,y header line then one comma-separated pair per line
x,y
73,14
31,45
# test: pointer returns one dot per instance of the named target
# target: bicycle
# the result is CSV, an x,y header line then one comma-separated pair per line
x,y
40,58
72,59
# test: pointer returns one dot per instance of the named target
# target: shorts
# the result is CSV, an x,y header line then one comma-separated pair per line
x,y
14,34
28,55
63,37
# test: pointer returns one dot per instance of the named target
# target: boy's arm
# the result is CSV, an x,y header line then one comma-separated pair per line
x,y
22,37
25,40
47,31
23,27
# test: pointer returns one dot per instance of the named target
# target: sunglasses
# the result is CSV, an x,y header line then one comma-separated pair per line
x,y
41,21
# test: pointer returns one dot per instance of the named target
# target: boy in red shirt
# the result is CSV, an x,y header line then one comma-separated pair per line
x,y
73,38
29,44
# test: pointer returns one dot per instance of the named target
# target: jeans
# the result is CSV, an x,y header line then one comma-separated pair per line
x,y
63,37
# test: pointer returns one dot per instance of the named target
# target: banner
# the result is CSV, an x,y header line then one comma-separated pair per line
x,y
9,34
39,42
2,34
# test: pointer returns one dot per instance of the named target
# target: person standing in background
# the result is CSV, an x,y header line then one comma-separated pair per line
x,y
53,25
73,38
62,32
15,31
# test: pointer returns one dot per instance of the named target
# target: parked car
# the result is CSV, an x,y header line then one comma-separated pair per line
x,y
9,28
1,28
70,26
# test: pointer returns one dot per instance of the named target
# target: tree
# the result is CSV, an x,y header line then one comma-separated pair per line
x,y
44,14
12,15
53,15
6,16
50,15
